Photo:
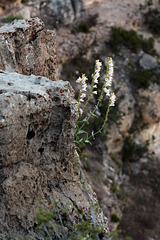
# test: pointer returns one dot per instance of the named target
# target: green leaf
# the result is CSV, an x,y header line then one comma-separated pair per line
x,y
94,115
85,121
78,149
93,135
81,131
87,141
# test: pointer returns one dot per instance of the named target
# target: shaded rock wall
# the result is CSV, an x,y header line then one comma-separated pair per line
x,y
37,152
28,48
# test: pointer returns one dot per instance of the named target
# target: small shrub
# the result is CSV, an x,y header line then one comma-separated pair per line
x,y
115,218
24,1
129,38
11,18
141,78
147,4
152,19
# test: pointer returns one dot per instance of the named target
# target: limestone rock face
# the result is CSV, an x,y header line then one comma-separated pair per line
x,y
37,152
38,159
28,48
149,102
55,12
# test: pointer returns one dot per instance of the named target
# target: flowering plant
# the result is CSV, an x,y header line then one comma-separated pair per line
x,y
81,136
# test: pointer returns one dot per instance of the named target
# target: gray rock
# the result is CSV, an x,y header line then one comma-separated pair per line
x,y
37,153
148,62
38,159
57,12
28,48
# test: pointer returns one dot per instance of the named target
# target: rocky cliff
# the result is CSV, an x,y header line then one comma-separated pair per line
x,y
28,48
38,161
54,13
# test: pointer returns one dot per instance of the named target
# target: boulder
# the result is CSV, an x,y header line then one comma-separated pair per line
x,y
28,48
57,12
148,62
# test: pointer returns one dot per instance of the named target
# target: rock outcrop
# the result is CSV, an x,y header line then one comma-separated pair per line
x,y
55,12
28,48
38,160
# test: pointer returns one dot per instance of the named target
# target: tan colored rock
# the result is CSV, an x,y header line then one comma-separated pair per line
x,y
149,103
9,3
28,48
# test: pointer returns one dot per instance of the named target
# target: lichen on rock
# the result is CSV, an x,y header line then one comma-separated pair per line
x,y
37,150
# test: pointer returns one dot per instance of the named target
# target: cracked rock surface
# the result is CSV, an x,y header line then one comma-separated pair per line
x,y
28,48
37,152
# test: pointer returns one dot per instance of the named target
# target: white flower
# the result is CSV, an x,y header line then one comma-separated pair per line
x,y
94,92
98,64
96,75
95,80
83,95
84,79
112,99
95,86
81,111
107,91
79,80
108,82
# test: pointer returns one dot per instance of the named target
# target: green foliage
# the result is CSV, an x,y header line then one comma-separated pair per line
x,y
114,158
141,78
129,38
43,215
115,218
84,26
85,229
81,136
117,190
52,224
24,1
147,4
132,151
114,235
152,19
128,238
11,18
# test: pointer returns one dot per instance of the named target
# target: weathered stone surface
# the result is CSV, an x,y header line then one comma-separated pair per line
x,y
149,102
37,153
28,48
148,62
55,12
8,3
